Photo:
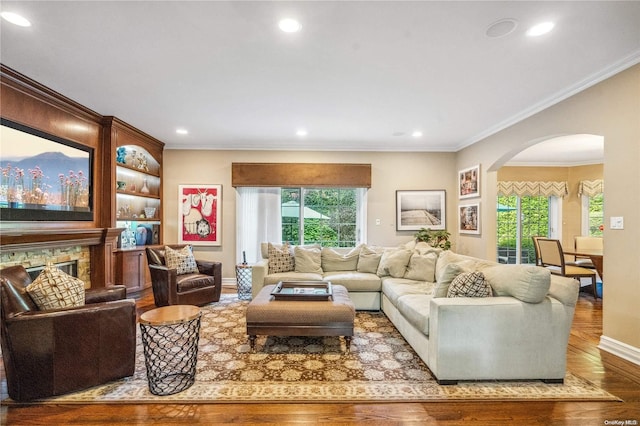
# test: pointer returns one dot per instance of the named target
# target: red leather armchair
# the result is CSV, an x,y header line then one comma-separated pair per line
x,y
169,288
53,352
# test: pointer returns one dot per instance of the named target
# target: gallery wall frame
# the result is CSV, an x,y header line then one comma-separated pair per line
x,y
469,182
417,209
469,218
200,214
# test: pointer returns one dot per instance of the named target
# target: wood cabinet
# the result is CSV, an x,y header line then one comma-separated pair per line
x,y
134,202
132,270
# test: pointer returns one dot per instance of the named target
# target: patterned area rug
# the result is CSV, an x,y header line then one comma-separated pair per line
x,y
381,367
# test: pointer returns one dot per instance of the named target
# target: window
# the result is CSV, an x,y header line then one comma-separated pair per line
x,y
331,217
519,219
593,215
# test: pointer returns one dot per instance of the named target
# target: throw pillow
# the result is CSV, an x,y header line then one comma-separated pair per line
x,y
422,267
368,260
307,259
394,262
334,261
54,289
280,259
181,260
469,284
444,278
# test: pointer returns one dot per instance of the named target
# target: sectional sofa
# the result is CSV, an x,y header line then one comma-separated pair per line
x,y
519,330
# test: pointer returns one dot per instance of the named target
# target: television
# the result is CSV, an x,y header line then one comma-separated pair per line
x,y
44,177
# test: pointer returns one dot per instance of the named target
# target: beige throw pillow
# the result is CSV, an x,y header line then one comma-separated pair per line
x,y
54,289
524,282
394,262
280,259
469,284
422,267
181,260
444,277
369,259
307,259
334,261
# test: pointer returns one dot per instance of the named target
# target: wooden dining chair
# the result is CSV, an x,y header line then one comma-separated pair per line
x,y
586,243
552,258
536,249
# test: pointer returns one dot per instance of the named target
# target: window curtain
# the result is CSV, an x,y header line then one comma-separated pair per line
x,y
361,219
533,189
258,220
591,187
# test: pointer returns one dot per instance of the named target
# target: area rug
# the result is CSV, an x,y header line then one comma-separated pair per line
x,y
381,367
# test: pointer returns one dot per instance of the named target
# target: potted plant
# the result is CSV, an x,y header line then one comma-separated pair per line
x,y
439,239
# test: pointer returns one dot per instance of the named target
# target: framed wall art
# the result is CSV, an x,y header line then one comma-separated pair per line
x,y
469,218
469,182
200,212
420,209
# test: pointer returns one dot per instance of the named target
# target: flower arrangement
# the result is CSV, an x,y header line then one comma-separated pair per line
x,y
74,190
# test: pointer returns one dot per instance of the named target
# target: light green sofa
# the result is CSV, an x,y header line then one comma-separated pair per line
x,y
520,333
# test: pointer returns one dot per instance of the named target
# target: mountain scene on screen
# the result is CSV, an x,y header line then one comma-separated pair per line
x,y
52,165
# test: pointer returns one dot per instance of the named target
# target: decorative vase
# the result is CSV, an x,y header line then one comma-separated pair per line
x,y
145,188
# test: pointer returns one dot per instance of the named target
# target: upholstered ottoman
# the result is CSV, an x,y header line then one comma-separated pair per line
x,y
334,317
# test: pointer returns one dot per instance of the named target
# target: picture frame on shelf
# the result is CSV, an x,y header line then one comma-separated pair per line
x,y
417,209
469,182
200,214
469,218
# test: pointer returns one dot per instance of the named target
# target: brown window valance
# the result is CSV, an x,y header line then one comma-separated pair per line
x,y
301,174
534,189
591,187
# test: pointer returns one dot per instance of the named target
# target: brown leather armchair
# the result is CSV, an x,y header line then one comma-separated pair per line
x,y
53,352
169,288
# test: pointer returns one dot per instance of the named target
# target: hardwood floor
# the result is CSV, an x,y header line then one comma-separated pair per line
x,y
617,376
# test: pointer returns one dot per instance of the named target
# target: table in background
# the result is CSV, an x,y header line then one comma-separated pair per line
x,y
596,257
170,337
243,280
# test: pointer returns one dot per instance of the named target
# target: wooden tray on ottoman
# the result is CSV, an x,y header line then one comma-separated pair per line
x,y
303,290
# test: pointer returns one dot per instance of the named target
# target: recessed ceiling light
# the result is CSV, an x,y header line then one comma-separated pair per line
x,y
416,134
540,29
182,131
289,25
501,28
301,132
16,19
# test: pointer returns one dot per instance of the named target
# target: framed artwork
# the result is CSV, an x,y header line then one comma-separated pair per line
x,y
200,212
469,218
469,182
420,209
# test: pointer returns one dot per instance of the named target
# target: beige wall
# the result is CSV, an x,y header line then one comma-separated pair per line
x,y
390,172
571,204
611,109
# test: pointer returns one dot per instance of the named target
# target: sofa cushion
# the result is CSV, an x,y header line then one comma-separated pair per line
x,y
181,260
369,259
422,266
444,277
335,261
307,259
469,284
54,289
354,281
394,288
188,282
524,282
415,309
280,258
394,262
291,276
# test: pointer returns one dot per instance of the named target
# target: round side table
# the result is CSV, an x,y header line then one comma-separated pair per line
x,y
170,337
243,279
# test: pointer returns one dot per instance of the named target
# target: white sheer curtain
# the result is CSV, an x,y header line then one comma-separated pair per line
x,y
361,219
258,219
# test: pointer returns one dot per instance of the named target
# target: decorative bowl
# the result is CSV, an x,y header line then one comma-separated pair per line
x,y
149,212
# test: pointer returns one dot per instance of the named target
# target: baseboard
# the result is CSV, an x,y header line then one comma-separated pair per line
x,y
623,350
229,282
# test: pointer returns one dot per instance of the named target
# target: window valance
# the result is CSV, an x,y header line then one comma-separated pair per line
x,y
301,174
591,187
535,189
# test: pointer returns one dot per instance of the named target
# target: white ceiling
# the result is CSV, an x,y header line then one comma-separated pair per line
x,y
359,76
